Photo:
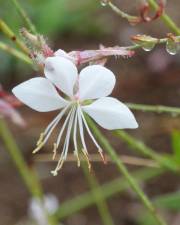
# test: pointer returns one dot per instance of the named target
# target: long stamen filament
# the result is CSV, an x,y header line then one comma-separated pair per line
x,y
63,156
91,136
84,150
44,136
75,139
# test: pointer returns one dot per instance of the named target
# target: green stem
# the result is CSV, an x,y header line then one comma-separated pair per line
x,y
166,19
29,176
15,53
24,16
99,198
15,153
107,190
131,19
154,108
122,168
145,150
11,35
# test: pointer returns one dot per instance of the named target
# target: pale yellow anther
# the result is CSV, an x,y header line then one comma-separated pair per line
x,y
102,155
87,159
40,139
54,151
38,147
78,159
54,172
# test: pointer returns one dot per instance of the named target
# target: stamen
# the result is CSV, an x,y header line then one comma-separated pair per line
x,y
55,120
49,130
55,123
92,137
87,159
54,151
75,140
81,130
69,131
40,139
63,156
38,147
102,156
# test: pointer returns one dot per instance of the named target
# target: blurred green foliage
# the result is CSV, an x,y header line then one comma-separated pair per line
x,y
176,145
55,16
53,19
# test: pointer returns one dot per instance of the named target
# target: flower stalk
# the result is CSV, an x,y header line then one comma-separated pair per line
x,y
29,176
122,168
145,150
166,19
108,190
98,196
155,108
11,35
24,16
15,53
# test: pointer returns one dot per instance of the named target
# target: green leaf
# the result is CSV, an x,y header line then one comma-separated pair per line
x,y
168,201
176,145
145,218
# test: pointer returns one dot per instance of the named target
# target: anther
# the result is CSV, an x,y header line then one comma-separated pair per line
x,y
87,159
54,151
38,147
40,139
102,156
54,172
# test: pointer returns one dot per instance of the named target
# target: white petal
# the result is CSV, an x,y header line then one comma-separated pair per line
x,y
111,114
62,72
39,94
61,53
95,81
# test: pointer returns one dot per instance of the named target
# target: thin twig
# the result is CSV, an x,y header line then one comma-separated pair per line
x,y
131,19
11,35
166,19
16,53
108,190
140,147
122,168
131,160
29,176
98,196
24,16
154,108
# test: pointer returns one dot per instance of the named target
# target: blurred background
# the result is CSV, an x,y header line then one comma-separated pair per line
x,y
147,78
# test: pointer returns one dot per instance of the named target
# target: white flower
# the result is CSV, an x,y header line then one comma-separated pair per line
x,y
38,208
93,82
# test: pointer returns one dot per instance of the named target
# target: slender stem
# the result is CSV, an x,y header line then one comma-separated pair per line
x,y
11,35
15,153
99,198
155,108
130,160
15,53
24,16
131,19
29,176
166,19
108,190
122,168
145,150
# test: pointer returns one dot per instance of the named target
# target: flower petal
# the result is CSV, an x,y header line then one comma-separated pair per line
x,y
39,94
111,114
62,72
95,81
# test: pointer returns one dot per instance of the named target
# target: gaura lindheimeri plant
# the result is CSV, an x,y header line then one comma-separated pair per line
x,y
83,93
